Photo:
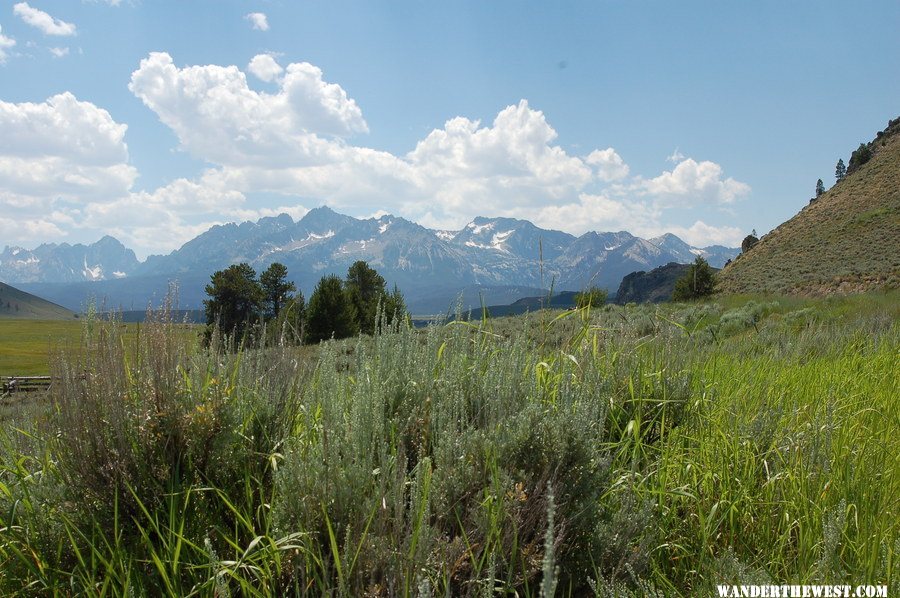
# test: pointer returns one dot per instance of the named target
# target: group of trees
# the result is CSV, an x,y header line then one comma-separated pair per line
x,y
592,297
860,156
239,302
342,308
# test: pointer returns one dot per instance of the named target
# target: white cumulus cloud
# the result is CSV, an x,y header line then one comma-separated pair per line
x,y
293,143
638,216
217,117
43,21
59,52
609,165
701,234
598,211
258,21
57,156
511,162
64,165
692,182
5,44
265,67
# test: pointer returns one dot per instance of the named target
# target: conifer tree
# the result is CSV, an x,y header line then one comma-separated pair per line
x,y
330,312
276,288
699,281
394,307
365,289
235,299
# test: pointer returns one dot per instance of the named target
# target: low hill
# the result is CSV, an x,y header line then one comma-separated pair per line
x,y
655,286
16,304
561,300
846,241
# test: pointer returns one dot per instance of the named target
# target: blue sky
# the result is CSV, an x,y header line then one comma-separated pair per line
x,y
153,120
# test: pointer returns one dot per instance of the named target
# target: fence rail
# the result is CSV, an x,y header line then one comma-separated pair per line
x,y
13,384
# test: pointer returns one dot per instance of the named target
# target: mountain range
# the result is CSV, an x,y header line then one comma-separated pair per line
x,y
105,259
497,260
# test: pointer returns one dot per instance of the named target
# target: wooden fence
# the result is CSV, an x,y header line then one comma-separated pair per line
x,y
13,384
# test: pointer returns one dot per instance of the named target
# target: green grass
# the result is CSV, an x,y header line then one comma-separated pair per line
x,y
644,450
26,345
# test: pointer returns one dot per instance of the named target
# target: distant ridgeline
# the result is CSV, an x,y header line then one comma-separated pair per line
x,y
498,260
847,240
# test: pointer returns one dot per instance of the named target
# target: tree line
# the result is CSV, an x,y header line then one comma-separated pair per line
x,y
242,305
860,156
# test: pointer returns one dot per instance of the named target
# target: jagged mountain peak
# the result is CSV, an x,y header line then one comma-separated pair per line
x,y
323,216
281,220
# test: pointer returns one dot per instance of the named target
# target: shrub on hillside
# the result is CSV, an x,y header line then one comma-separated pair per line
x,y
748,243
860,156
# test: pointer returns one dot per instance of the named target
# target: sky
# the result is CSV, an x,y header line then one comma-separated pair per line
x,y
152,120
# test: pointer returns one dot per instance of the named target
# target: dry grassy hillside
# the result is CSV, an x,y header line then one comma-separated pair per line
x,y
846,241
19,305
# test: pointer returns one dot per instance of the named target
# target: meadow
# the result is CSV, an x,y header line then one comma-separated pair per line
x,y
26,345
621,451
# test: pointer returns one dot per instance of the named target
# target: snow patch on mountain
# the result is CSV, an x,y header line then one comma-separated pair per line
x,y
314,236
499,239
92,273
476,228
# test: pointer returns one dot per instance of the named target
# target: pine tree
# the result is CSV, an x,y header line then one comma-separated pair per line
x,y
366,289
820,187
393,307
840,171
330,312
276,289
235,300
699,281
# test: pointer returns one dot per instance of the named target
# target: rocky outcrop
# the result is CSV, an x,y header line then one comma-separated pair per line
x,y
655,286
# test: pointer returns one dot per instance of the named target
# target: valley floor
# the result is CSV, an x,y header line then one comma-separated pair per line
x,y
638,450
